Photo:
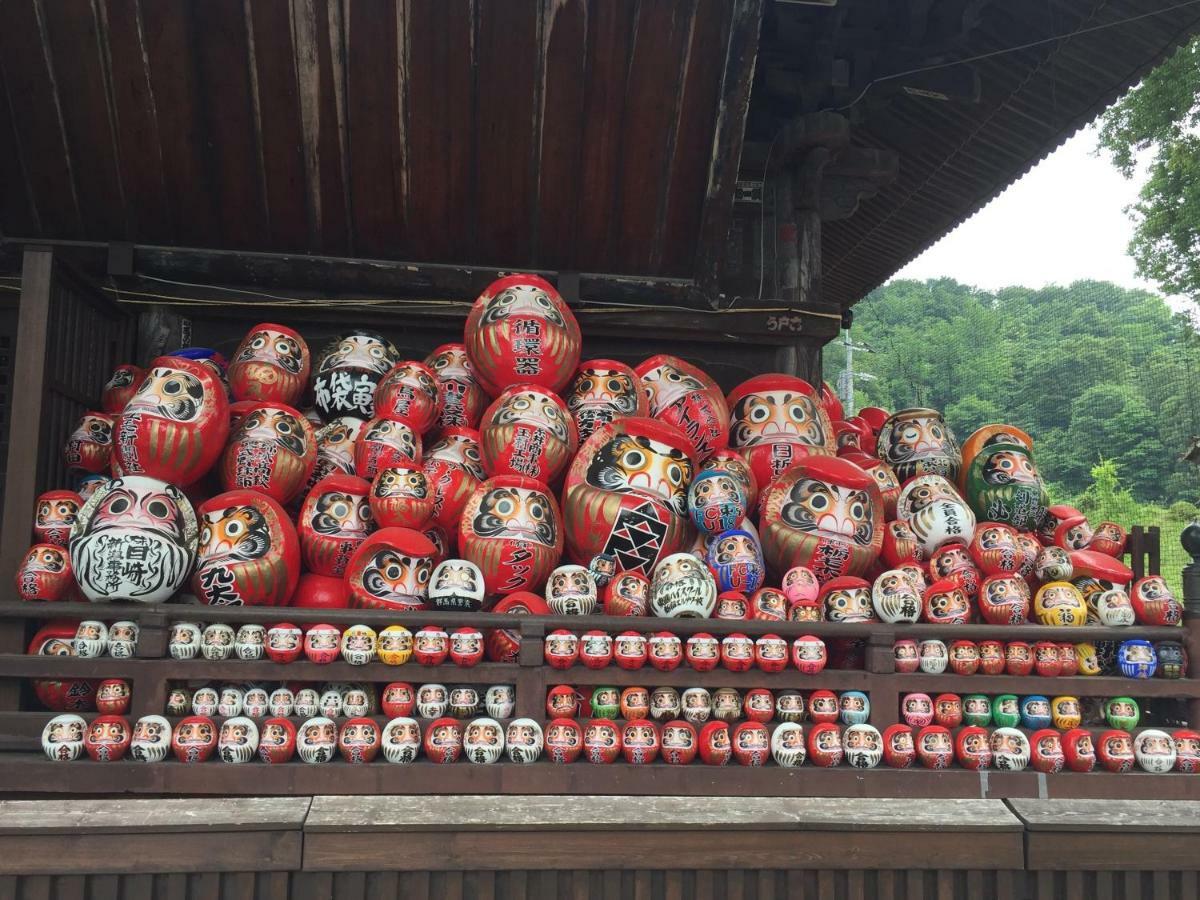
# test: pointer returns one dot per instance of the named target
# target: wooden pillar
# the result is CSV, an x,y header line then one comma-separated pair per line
x,y
1191,610
25,443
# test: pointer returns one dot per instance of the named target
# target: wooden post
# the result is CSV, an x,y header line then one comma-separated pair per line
x,y
25,448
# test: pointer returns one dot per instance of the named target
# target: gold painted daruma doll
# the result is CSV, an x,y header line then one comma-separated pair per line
x,y
271,363
512,529
626,495
521,331
174,427
528,431
248,552
775,420
825,514
272,451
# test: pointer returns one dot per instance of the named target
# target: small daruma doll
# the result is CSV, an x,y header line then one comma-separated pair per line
x,y
520,330
1154,603
716,501
408,393
401,497
90,446
1004,600
946,603
1061,604
174,427
511,528
334,521
273,450
107,738
45,574
55,513
825,514
271,363
383,443
684,396
682,588
391,570
626,495
775,420
461,400
603,390
135,540
571,591
936,513
248,552
453,469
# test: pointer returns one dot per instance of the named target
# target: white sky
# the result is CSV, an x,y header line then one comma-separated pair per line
x,y
1063,221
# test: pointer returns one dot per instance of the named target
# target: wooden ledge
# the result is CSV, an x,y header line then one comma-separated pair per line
x,y
1124,816
77,816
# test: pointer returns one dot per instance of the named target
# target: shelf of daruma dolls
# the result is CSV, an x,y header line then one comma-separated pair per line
x,y
1075,686
685,677
32,772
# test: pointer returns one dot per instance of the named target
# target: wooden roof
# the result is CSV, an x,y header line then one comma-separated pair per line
x,y
575,135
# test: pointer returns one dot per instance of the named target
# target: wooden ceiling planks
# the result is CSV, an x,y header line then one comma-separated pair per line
x,y
563,134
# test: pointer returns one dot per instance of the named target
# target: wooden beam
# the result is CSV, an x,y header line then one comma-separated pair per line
x,y
741,53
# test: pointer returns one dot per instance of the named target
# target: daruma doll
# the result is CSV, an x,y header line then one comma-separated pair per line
x,y
273,450
271,363
683,396
521,331
174,426
775,420
248,552
825,514
512,529
626,495
528,431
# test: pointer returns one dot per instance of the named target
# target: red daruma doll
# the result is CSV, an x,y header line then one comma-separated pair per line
x,y
174,427
528,431
272,450
461,400
334,522
683,396
408,394
775,420
626,495
248,552
511,528
521,331
120,387
824,514
271,363
54,515
453,468
89,448
391,570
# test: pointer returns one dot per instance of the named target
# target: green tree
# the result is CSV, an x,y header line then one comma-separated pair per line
x,y
1159,118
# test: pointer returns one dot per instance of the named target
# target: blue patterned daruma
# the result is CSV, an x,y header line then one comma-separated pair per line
x,y
736,559
1035,712
1137,659
854,707
716,501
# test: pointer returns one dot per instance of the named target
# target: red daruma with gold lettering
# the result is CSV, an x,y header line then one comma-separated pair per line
x,y
825,514
511,528
272,450
174,427
520,331
626,494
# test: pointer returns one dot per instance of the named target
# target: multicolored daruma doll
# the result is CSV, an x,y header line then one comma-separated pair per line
x,y
736,560
453,467
333,523
731,462
45,574
775,420
347,372
683,396
120,388
511,528
528,431
717,502
1003,485
248,552
391,570
520,330
408,393
461,401
383,443
90,446
135,540
919,442
271,363
272,450
55,513
174,427
935,512
603,390
825,514
626,495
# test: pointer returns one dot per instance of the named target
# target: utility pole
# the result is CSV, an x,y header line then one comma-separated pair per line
x,y
845,385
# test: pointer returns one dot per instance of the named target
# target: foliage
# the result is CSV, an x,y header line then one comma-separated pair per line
x,y
1159,119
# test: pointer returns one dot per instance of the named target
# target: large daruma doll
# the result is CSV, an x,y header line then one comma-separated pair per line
x,y
391,570
683,396
520,331
919,442
333,523
174,427
825,514
273,450
626,495
512,529
271,363
248,552
775,420
528,431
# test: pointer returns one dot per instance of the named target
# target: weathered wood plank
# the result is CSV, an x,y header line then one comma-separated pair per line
x,y
120,816
1108,815
103,854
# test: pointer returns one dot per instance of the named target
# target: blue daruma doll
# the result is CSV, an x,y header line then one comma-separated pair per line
x,y
716,501
736,560
1137,659
1035,712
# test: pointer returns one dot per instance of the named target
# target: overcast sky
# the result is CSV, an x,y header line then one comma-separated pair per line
x,y
1063,221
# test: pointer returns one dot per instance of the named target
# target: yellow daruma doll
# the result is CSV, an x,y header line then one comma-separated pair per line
x,y
1059,603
